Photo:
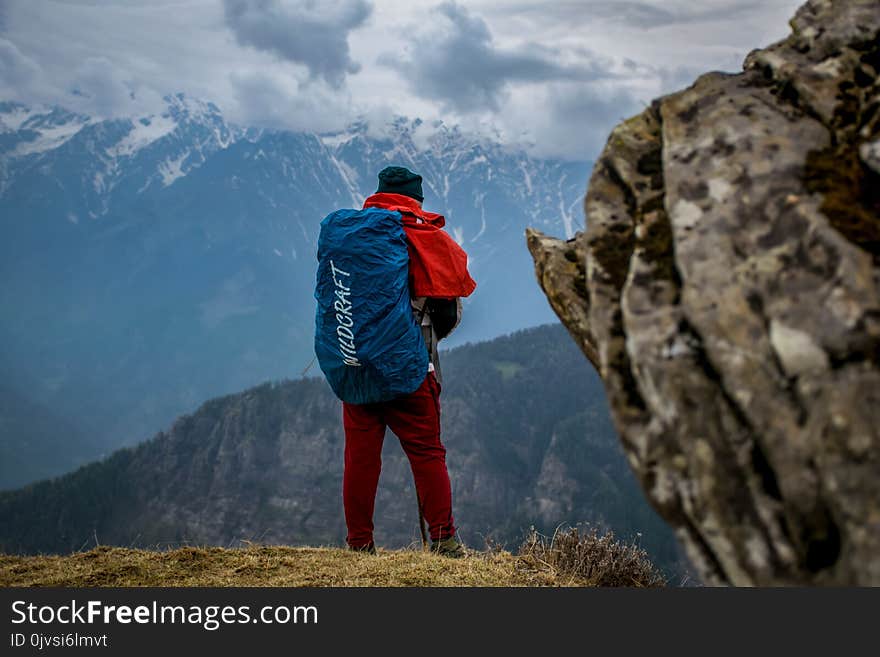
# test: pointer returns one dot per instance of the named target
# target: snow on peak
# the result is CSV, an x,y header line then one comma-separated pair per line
x,y
49,130
144,131
181,106
172,168
337,139
13,116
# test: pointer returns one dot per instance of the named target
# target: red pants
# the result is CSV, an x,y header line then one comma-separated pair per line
x,y
415,418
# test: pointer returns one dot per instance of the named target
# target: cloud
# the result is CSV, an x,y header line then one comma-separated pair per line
x,y
458,63
642,15
102,88
307,32
275,101
554,75
103,85
636,14
18,73
566,119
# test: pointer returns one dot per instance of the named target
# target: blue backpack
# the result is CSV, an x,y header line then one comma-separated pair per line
x,y
367,341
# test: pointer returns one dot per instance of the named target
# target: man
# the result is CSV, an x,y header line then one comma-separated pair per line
x,y
438,277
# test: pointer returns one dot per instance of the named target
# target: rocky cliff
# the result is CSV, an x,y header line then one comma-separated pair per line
x,y
727,288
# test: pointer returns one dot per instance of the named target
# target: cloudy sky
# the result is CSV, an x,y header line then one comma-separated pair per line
x,y
553,76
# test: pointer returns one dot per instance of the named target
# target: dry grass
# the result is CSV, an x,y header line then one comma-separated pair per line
x,y
266,566
566,559
590,559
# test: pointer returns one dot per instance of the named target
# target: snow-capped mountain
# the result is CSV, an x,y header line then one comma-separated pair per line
x,y
151,263
104,161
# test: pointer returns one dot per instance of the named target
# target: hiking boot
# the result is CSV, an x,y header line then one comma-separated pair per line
x,y
369,548
449,547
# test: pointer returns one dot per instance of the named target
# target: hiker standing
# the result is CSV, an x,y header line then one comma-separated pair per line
x,y
390,281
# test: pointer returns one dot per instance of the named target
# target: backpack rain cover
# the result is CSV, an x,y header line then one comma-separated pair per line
x,y
366,338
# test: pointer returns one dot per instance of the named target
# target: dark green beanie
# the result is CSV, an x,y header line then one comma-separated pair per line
x,y
400,180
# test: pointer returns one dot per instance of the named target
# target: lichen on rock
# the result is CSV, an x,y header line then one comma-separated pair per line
x,y
727,289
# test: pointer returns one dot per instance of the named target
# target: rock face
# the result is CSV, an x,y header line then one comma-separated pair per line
x,y
728,291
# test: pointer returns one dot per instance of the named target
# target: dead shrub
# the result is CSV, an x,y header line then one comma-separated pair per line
x,y
590,559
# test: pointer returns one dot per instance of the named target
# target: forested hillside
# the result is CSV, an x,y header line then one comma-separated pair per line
x,y
524,421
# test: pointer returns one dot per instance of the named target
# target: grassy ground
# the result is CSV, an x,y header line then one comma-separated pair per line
x,y
272,566
568,558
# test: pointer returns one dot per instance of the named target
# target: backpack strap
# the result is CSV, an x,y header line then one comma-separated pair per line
x,y
422,313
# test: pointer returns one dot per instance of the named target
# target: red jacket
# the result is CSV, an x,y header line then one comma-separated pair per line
x,y
437,264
